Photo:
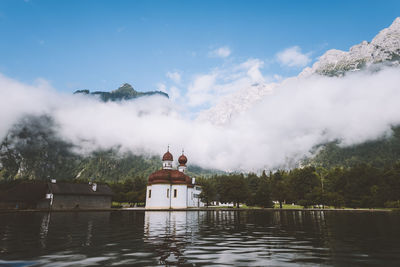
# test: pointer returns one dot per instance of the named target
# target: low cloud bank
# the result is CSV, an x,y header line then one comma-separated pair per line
x,y
281,128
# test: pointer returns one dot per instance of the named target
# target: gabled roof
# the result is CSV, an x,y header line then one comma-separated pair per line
x,y
25,192
79,189
31,192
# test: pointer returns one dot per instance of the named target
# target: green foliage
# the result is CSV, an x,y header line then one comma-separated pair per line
x,y
377,153
392,204
232,188
364,176
132,190
263,194
360,186
279,186
32,150
302,182
110,165
209,191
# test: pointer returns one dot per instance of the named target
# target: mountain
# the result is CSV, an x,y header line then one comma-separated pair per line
x,y
383,49
378,153
235,104
125,92
33,150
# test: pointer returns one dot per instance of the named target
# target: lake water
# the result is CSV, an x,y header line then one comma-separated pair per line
x,y
197,238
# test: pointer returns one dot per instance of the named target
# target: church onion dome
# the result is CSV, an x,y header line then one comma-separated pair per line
x,y
182,160
167,156
169,177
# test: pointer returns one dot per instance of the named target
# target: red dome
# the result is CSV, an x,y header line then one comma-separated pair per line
x,y
167,156
169,177
182,160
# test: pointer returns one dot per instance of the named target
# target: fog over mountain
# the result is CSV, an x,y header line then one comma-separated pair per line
x,y
382,51
262,125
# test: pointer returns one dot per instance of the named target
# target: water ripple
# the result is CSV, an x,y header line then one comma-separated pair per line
x,y
215,238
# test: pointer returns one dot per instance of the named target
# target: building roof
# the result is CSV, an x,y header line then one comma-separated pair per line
x,y
166,176
168,156
31,192
79,189
27,192
182,160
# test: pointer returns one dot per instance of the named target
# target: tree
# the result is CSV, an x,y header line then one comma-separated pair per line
x,y
232,188
208,191
279,186
32,150
253,182
263,193
302,182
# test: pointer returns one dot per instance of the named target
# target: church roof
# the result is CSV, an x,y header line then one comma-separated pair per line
x,y
182,160
25,192
167,176
167,156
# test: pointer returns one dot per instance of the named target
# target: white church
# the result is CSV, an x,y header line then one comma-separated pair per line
x,y
172,189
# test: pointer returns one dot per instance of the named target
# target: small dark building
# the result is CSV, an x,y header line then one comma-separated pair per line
x,y
56,196
24,196
79,196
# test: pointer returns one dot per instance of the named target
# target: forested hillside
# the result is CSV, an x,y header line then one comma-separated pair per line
x,y
32,150
378,153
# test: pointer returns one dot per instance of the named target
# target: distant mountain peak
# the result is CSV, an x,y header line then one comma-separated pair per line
x,y
126,87
384,48
124,92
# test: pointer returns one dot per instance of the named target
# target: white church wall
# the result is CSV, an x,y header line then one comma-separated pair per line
x,y
159,198
179,201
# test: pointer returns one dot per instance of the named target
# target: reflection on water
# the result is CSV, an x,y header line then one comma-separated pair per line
x,y
194,238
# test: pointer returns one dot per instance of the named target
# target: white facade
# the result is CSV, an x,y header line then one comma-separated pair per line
x,y
179,196
172,189
193,197
156,196
170,196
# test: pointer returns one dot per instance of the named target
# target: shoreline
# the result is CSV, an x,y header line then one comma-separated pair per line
x,y
196,209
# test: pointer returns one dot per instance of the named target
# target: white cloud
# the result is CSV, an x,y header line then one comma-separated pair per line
x,y
175,76
299,114
221,52
174,93
207,89
162,87
292,57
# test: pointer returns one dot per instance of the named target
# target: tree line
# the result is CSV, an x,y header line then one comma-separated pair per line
x,y
131,190
361,186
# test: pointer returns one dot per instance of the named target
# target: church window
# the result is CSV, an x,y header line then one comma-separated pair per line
x,y
175,192
168,193
150,193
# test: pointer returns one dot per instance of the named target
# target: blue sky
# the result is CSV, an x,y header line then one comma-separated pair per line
x,y
99,45
200,52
